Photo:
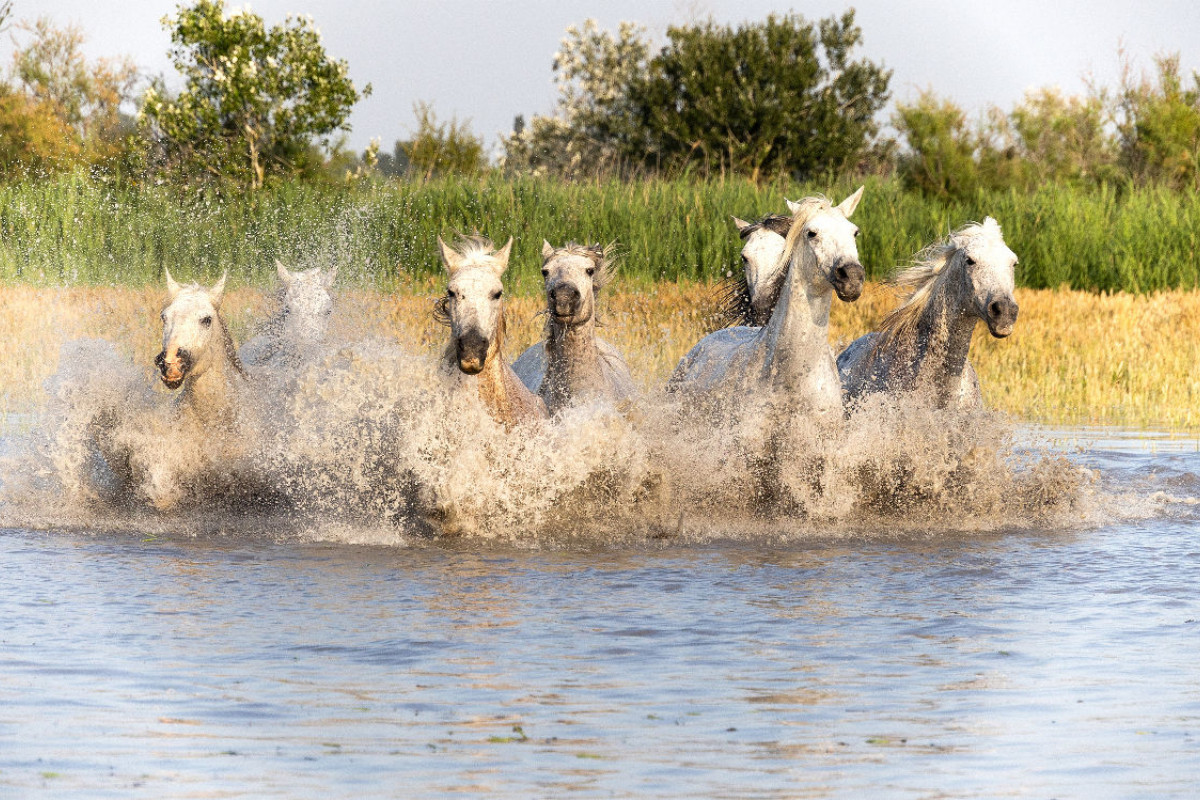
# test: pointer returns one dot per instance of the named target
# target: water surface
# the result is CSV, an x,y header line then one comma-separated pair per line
x,y
1023,662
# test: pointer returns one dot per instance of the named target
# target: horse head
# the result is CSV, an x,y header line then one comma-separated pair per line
x,y
573,276
829,241
306,305
192,330
473,305
987,267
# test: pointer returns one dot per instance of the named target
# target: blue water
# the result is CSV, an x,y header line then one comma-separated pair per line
x,y
1023,663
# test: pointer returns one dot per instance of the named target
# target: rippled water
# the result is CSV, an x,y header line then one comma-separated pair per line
x,y
1022,662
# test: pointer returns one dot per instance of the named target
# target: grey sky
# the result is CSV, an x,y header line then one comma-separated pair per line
x,y
488,61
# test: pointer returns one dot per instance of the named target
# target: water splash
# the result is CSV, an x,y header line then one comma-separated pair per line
x,y
370,442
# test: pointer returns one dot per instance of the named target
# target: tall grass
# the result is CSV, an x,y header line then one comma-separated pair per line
x,y
75,230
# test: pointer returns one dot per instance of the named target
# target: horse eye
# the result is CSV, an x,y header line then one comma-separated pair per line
x,y
450,293
812,234
206,321
163,316
591,271
970,261
856,233
496,294
545,273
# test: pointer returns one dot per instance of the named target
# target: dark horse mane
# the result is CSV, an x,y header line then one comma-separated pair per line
x,y
734,303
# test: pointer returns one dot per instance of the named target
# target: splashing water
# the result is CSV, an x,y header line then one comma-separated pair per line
x,y
368,441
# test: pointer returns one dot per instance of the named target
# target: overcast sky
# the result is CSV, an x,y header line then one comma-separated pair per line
x,y
488,61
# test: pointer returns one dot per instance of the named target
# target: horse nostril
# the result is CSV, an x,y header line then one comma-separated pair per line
x,y
995,309
842,274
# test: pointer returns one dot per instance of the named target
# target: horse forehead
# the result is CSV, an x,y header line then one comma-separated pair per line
x,y
763,242
190,302
569,265
475,279
832,222
306,290
991,251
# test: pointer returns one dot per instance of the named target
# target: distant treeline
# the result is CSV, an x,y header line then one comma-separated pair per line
x,y
777,99
75,229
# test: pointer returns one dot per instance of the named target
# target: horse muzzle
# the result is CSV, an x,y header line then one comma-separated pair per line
x,y
847,279
1002,316
173,371
471,349
564,302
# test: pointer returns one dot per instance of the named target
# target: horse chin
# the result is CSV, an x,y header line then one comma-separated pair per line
x,y
173,383
1001,332
849,293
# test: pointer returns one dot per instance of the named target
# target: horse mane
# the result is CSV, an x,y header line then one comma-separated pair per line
x,y
735,306
921,281
230,348
806,209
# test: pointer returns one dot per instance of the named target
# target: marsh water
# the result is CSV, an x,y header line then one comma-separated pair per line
x,y
1030,659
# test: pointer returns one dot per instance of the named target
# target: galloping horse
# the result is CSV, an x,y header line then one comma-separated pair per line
x,y
298,325
749,296
473,307
198,353
790,353
572,363
924,343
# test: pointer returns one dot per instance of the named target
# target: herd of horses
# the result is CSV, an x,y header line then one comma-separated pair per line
x,y
793,264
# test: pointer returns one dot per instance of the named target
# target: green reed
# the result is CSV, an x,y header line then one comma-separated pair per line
x,y
77,230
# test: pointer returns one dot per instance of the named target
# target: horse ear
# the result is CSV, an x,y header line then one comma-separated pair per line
x,y
502,255
285,277
848,205
793,205
741,224
218,290
451,260
172,287
547,249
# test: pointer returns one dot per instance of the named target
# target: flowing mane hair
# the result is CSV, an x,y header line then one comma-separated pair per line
x,y
735,305
923,280
473,246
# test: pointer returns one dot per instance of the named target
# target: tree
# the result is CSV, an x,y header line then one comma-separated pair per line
x,y
57,108
593,121
254,98
1159,125
782,95
447,148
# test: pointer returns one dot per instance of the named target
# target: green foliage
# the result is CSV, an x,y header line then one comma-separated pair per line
x,y
447,148
75,229
254,98
1160,131
941,147
780,96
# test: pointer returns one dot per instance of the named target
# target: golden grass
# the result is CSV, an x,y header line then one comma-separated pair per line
x,y
1075,358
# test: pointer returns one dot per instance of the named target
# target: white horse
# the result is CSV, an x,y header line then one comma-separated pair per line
x,y
789,354
198,354
571,362
749,297
299,324
924,343
474,309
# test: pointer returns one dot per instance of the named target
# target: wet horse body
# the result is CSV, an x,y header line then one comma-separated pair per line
x,y
474,309
572,363
789,355
924,344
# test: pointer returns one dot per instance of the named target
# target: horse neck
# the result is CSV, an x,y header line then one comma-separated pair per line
x,y
798,331
500,390
942,339
210,395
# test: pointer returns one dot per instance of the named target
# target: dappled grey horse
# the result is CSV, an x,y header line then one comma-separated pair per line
x,y
572,363
924,343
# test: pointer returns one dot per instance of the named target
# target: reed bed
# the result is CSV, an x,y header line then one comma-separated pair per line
x,y
1076,358
78,230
